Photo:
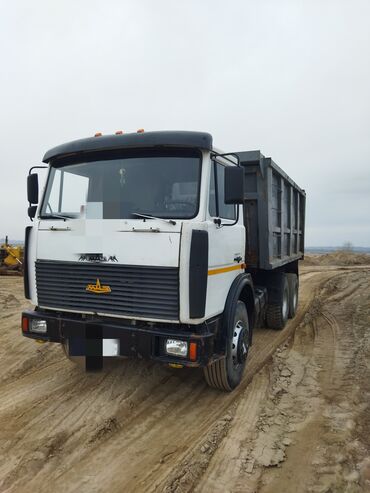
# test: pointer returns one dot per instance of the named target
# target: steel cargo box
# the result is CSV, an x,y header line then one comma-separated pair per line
x,y
274,213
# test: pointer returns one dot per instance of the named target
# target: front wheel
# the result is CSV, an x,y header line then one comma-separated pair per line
x,y
227,372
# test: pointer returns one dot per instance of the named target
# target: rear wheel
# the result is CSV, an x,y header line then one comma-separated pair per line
x,y
226,373
277,313
293,294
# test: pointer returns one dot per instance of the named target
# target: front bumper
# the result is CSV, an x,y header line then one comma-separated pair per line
x,y
135,340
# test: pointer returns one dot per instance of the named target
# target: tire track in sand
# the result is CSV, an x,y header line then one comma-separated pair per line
x,y
130,426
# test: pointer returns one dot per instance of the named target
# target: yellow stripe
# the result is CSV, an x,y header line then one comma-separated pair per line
x,y
221,270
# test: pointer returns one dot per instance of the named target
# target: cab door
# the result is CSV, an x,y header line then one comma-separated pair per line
x,y
226,235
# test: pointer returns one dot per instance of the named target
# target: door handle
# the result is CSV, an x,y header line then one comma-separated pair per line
x,y
238,259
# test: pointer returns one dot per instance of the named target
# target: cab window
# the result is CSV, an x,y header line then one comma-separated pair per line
x,y
217,206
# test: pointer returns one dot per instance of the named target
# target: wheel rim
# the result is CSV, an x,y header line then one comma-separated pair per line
x,y
239,344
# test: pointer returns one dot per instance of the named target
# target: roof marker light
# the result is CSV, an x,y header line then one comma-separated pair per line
x,y
140,131
98,134
119,132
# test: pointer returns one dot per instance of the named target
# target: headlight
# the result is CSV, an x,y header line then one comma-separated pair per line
x,y
38,326
176,347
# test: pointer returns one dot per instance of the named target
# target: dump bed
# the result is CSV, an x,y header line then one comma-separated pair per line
x,y
274,213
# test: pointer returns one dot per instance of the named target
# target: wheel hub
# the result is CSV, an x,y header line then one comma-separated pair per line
x,y
239,345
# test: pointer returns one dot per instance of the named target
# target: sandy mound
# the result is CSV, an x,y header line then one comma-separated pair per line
x,y
339,257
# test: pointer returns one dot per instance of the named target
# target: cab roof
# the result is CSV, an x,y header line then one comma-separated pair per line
x,y
166,138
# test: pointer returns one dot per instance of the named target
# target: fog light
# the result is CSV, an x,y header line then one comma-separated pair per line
x,y
177,348
38,326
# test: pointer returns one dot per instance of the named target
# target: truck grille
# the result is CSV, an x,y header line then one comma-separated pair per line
x,y
135,291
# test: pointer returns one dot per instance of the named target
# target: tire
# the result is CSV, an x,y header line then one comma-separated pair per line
x,y
293,294
277,313
227,372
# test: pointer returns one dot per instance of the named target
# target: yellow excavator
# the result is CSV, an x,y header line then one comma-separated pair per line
x,y
11,258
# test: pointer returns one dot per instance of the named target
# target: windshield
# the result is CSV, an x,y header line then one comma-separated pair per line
x,y
161,184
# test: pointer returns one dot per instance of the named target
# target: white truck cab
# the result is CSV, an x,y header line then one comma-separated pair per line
x,y
138,249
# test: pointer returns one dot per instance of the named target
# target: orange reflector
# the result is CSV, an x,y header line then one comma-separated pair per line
x,y
25,324
119,132
140,131
98,134
193,351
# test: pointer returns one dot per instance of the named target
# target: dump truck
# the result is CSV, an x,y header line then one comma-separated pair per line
x,y
158,245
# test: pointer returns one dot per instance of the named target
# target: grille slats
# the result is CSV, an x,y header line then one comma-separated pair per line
x,y
129,293
150,292
149,282
128,280
110,301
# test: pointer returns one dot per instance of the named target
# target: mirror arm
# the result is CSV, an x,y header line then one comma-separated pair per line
x,y
236,220
36,167
215,154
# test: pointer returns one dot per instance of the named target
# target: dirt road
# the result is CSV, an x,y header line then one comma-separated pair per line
x,y
300,421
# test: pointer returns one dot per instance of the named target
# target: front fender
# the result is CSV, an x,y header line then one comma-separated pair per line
x,y
241,289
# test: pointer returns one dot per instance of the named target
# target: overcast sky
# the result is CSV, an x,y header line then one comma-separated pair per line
x,y
291,78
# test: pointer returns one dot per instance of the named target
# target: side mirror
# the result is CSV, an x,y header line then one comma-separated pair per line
x,y
234,185
33,188
32,211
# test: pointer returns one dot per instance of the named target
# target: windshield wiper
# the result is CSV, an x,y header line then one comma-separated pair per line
x,y
56,215
146,216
